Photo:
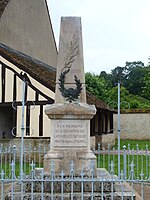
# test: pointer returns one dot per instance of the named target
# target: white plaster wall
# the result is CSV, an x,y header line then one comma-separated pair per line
x,y
9,85
46,124
133,126
34,121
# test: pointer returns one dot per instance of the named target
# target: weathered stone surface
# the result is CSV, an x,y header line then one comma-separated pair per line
x,y
133,125
76,196
70,56
82,160
70,110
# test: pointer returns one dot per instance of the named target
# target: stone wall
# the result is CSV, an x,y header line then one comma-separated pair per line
x,y
34,142
104,140
108,139
45,142
135,126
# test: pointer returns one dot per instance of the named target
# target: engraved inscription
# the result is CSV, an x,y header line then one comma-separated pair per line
x,y
71,133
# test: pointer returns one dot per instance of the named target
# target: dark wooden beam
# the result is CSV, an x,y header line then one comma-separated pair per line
x,y
14,119
3,78
36,96
15,88
111,122
106,122
41,121
26,92
28,103
27,120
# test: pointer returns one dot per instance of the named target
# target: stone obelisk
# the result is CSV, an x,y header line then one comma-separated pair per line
x,y
70,114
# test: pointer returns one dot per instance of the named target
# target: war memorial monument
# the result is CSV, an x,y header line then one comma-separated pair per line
x,y
70,114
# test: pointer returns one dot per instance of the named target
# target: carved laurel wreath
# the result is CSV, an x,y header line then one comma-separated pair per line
x,y
70,94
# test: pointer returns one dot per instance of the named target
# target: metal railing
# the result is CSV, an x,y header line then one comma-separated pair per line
x,y
140,158
30,153
38,185
34,184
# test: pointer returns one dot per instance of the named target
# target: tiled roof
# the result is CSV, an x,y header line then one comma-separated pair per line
x,y
43,73
3,4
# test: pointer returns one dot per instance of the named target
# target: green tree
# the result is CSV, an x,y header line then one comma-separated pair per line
x,y
117,74
127,100
134,77
135,89
107,78
96,85
146,82
113,97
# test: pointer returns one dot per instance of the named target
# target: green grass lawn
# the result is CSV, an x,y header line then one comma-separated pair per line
x,y
141,162
133,144
8,169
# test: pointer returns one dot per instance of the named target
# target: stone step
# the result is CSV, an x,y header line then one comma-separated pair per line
x,y
88,185
75,196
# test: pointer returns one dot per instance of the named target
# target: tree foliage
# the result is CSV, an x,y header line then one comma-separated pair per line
x,y
96,85
135,89
146,87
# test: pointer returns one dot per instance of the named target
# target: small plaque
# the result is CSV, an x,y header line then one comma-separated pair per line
x,y
70,133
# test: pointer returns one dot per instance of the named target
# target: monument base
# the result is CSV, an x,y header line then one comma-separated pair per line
x,y
70,138
77,160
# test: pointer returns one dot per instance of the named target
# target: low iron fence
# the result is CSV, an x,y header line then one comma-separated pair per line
x,y
38,186
32,183
139,158
30,153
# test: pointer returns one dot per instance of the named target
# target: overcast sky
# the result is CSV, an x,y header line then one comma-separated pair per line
x,y
114,31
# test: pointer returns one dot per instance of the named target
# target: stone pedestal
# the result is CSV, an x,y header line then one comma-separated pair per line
x,y
70,139
70,114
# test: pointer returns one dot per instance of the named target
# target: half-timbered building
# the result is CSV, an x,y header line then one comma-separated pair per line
x,y
38,91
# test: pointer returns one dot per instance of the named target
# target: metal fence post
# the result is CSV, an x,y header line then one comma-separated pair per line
x,y
108,157
147,164
32,178
2,184
12,178
142,188
137,160
128,160
14,153
1,158
124,162
119,129
98,157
